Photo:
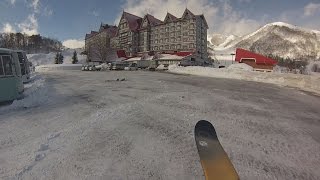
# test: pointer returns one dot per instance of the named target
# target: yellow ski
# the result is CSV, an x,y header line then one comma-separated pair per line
x,y
214,160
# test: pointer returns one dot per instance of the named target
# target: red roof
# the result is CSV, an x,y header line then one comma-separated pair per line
x,y
183,53
121,53
133,21
259,59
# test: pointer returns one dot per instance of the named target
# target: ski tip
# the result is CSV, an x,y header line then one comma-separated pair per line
x,y
205,125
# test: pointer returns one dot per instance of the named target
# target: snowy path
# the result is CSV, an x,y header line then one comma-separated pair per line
x,y
85,125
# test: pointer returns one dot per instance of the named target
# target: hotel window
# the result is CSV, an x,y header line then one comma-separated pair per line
x,y
173,47
161,47
191,45
185,33
179,38
179,46
167,40
178,27
156,41
173,39
167,47
172,34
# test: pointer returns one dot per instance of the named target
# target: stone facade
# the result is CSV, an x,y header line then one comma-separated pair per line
x,y
98,44
138,35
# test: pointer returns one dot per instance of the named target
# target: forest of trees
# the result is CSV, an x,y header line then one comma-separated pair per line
x,y
30,44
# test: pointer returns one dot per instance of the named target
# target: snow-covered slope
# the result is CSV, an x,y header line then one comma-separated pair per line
x,y
281,39
44,59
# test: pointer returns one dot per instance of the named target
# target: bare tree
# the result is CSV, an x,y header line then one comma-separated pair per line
x,y
100,50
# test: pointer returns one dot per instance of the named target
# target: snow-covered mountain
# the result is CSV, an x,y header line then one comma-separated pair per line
x,y
279,39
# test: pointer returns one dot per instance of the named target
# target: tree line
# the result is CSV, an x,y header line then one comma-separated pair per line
x,y
31,44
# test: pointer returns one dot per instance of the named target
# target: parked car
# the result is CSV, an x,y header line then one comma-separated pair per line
x,y
153,65
163,67
131,67
143,64
119,65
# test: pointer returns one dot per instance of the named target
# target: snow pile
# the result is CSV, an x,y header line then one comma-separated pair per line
x,y
44,59
240,66
36,93
55,67
304,82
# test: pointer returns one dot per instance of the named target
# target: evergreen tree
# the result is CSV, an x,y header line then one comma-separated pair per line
x,y
61,58
75,58
56,59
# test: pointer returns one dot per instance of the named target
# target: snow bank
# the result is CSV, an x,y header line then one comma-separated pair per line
x,y
44,59
36,93
240,66
55,67
305,82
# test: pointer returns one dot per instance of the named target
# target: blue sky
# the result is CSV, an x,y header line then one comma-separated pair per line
x,y
71,19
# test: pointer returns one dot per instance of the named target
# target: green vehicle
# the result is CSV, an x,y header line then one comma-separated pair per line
x,y
24,65
11,85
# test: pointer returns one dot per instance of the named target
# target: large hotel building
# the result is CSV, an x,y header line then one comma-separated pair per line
x,y
135,36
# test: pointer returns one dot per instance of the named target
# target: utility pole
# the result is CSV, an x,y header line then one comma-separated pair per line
x,y
232,54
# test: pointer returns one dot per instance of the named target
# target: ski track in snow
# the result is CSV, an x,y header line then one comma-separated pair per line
x,y
86,126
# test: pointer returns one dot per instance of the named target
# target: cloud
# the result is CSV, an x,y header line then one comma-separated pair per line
x,y
12,1
73,43
8,28
95,13
29,26
308,20
221,16
34,4
311,9
47,11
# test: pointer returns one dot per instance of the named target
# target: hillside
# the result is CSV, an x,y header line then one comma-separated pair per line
x,y
278,39
30,44
44,59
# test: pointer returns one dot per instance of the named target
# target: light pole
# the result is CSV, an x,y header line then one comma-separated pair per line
x,y
232,54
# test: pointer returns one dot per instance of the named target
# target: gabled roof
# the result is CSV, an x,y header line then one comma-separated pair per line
x,y
152,20
205,21
92,33
186,13
170,17
111,30
133,21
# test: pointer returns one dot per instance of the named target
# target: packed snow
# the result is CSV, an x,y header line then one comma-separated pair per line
x,y
55,67
84,125
242,72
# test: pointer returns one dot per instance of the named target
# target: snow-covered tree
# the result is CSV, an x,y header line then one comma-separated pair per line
x,y
75,58
59,58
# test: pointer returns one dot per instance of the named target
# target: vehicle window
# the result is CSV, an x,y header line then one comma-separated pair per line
x,y
7,65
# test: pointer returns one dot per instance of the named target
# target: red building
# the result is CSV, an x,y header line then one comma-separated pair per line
x,y
257,61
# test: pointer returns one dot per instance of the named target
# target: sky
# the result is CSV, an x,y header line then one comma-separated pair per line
x,y
69,20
